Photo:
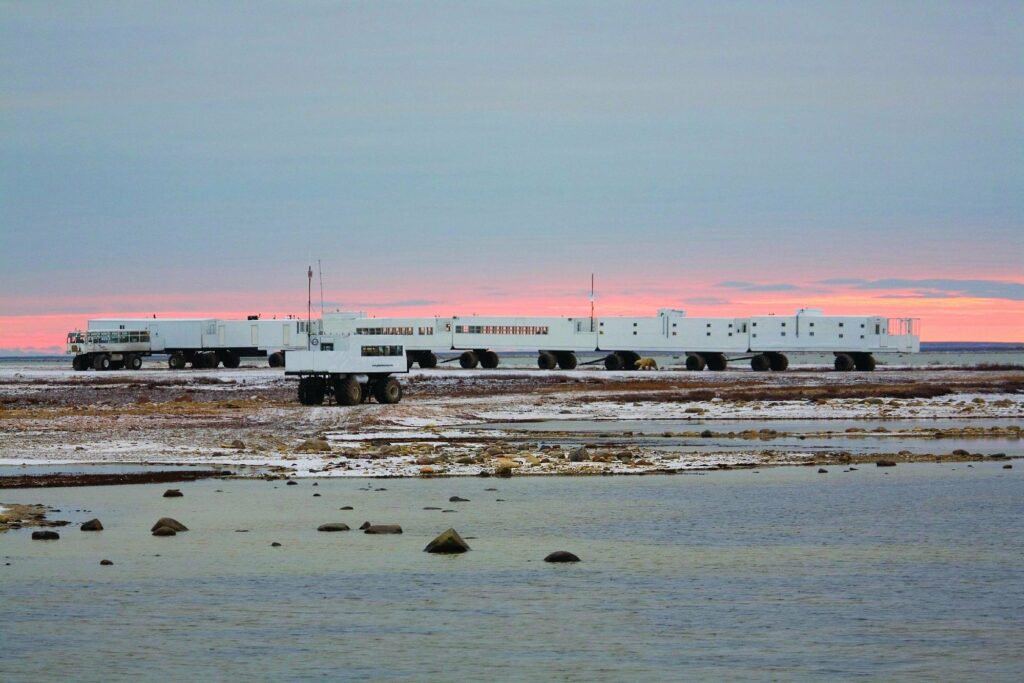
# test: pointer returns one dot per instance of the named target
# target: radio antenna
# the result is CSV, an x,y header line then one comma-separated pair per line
x,y
591,302
321,272
309,306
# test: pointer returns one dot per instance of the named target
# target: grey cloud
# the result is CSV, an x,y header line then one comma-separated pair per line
x,y
753,287
708,301
935,288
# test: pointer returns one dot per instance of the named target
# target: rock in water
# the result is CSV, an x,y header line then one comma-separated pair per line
x,y
172,524
106,563
275,544
822,470
502,472
347,507
164,531
92,525
173,493
1007,467
333,526
383,529
579,455
45,536
561,556
885,463
291,482
364,526
456,499
448,542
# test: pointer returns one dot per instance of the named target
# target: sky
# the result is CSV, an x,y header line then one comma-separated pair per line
x,y
727,158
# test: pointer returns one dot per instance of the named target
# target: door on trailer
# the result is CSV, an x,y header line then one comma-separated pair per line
x,y
220,335
254,335
286,334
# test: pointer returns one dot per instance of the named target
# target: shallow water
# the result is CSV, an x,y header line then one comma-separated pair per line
x,y
911,572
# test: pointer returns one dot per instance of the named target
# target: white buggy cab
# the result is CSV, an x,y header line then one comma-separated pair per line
x,y
108,349
348,368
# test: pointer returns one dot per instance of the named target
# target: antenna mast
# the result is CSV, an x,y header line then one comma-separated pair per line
x,y
321,272
591,302
309,306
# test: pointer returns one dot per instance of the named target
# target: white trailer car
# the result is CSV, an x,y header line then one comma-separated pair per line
x,y
348,368
208,342
108,349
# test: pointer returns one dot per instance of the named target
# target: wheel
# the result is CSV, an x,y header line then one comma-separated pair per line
x,y
117,365
212,359
546,360
695,362
468,360
133,362
489,359
567,360
311,391
276,359
101,362
844,362
428,360
176,361
777,362
864,362
80,362
629,359
716,361
198,361
759,363
613,361
347,391
232,360
387,391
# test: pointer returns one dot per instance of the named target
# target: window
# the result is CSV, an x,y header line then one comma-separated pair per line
x,y
382,351
327,346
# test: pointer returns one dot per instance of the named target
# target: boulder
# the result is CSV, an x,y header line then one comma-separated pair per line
x,y
503,472
92,525
333,526
383,529
885,463
106,563
45,536
291,482
561,556
275,544
448,542
316,495
173,493
431,508
364,526
347,507
172,524
1007,466
313,446
456,499
164,531
822,470
578,454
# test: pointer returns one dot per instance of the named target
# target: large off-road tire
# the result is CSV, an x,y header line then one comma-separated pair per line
x,y
864,362
716,361
387,391
176,361
759,363
489,360
428,361
469,360
695,362
566,360
276,359
80,362
844,362
546,360
347,391
133,362
231,359
311,391
629,359
212,360
101,361
613,361
777,362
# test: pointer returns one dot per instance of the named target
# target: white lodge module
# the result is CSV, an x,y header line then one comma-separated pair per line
x,y
349,368
707,342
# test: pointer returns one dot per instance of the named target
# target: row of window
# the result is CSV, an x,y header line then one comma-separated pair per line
x,y
382,351
109,337
501,329
386,330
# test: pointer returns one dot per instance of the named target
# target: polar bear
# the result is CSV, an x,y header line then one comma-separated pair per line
x,y
646,364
